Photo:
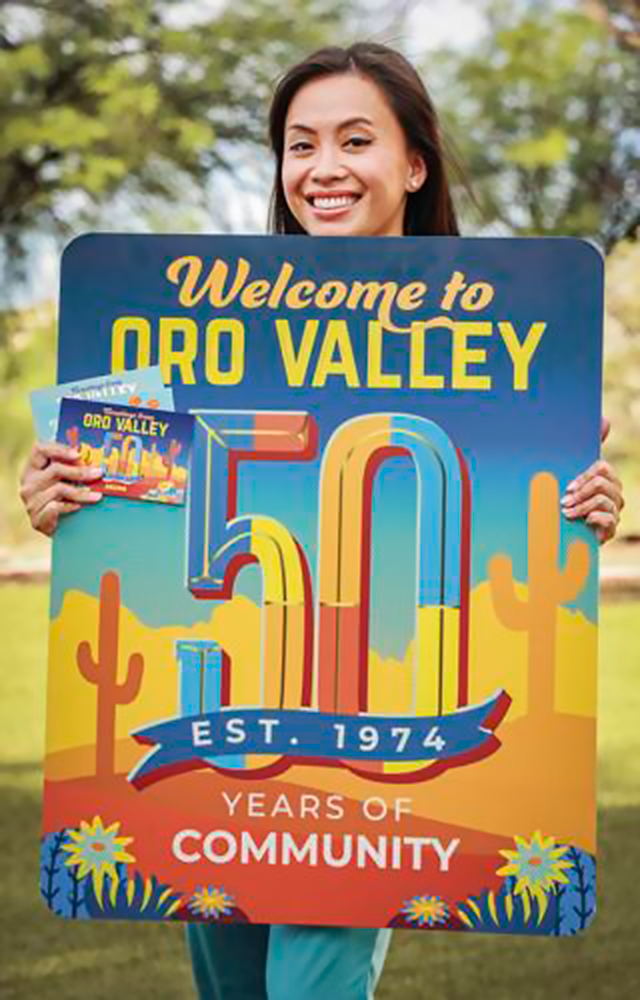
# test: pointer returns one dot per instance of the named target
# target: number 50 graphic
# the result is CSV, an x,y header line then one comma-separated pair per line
x,y
318,658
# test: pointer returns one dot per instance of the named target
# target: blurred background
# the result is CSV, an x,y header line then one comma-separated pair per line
x,y
150,115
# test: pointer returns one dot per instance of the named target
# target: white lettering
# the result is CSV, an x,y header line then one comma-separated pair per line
x,y
445,855
235,731
231,803
208,847
178,841
250,850
201,734
308,851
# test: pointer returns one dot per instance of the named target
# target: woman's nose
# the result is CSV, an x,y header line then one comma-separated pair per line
x,y
328,165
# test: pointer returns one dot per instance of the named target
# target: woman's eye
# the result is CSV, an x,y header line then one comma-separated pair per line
x,y
358,141
300,147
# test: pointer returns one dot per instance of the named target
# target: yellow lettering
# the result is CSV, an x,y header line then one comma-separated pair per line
x,y
464,355
418,379
521,353
376,378
235,373
182,355
296,366
141,329
477,296
189,295
336,339
331,294
281,283
454,286
294,299
371,291
255,294
411,296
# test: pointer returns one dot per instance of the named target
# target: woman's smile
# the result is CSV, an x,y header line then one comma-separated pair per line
x,y
330,204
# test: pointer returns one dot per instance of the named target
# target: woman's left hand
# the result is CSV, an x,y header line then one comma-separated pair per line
x,y
596,495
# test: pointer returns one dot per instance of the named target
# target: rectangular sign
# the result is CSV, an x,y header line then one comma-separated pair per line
x,y
143,454
353,681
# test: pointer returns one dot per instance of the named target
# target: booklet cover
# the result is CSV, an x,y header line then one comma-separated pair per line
x,y
137,387
144,454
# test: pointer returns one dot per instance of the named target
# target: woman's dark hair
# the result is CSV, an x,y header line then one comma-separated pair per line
x,y
429,210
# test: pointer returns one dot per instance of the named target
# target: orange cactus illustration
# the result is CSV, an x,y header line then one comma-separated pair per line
x,y
73,436
103,672
549,587
168,460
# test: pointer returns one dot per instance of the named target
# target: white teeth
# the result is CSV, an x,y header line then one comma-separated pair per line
x,y
338,202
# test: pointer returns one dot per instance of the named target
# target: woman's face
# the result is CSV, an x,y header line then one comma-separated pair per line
x,y
346,168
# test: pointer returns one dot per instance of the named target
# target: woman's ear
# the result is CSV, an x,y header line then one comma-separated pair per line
x,y
417,172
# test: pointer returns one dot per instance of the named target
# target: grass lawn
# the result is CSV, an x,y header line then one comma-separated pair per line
x,y
43,957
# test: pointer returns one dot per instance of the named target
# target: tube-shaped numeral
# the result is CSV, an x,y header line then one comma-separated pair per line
x,y
220,542
351,460
133,442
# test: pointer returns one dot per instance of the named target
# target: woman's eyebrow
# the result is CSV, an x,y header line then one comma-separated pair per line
x,y
360,120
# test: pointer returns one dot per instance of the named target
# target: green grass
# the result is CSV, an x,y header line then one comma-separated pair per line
x,y
44,957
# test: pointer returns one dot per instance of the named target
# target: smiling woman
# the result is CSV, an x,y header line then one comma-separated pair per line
x,y
359,152
359,149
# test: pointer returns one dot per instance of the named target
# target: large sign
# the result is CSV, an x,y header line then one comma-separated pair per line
x,y
352,681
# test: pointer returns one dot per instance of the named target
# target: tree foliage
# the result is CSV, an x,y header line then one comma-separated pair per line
x,y
142,96
546,109
622,17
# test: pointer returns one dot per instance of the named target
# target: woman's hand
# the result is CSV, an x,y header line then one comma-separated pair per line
x,y
596,495
53,483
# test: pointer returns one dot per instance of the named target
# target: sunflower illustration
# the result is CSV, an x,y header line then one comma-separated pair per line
x,y
429,910
96,850
207,901
537,865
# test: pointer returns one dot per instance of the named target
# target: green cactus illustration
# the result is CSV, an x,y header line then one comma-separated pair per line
x,y
103,672
548,588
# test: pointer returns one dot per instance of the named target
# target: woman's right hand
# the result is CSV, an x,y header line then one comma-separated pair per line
x,y
55,483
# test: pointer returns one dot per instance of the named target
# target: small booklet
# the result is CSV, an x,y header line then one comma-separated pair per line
x,y
136,387
143,453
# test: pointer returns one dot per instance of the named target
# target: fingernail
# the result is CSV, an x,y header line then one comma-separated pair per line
x,y
73,453
572,485
566,500
93,472
93,495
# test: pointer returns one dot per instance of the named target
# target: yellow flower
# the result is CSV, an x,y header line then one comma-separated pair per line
x,y
207,901
537,866
96,849
428,910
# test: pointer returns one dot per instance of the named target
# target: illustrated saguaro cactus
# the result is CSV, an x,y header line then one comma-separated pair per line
x,y
73,436
168,460
103,672
548,588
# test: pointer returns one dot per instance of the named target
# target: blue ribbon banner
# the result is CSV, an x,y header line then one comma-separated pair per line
x,y
214,737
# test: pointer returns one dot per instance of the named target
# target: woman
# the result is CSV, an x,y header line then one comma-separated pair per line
x,y
358,153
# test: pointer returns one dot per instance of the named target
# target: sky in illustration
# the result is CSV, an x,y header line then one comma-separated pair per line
x,y
506,437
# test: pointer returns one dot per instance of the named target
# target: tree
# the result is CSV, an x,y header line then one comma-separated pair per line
x,y
622,17
145,97
622,374
546,109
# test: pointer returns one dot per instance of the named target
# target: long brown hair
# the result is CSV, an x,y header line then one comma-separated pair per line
x,y
429,210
